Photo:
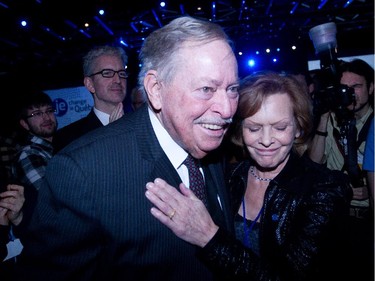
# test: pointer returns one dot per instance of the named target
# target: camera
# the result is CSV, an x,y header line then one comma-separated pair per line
x,y
330,95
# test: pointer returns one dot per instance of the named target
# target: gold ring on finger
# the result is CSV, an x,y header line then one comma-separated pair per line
x,y
172,214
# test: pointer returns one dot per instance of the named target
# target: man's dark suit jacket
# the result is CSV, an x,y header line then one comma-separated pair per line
x,y
73,131
93,221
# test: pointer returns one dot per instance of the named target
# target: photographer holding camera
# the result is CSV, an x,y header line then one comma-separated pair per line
x,y
330,141
343,110
340,145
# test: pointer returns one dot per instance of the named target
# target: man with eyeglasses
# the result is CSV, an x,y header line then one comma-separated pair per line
x,y
37,117
105,78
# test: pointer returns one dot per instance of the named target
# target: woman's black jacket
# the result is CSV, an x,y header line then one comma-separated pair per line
x,y
302,228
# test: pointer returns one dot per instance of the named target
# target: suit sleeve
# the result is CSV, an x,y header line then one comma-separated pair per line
x,y
62,234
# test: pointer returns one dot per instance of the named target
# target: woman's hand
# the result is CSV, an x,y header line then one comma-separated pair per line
x,y
12,201
183,213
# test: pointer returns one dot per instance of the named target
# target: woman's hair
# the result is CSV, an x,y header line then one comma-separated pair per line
x,y
254,89
161,48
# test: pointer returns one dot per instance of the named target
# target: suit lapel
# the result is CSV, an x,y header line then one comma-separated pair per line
x,y
151,151
164,169
216,191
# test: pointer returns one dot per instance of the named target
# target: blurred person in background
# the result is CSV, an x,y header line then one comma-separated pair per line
x,y
137,98
368,162
37,118
11,202
328,145
105,77
339,143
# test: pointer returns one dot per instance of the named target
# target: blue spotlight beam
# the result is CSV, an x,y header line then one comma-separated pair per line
x,y
322,3
269,7
347,3
85,33
4,5
71,24
243,3
123,42
11,43
53,33
294,8
146,24
182,9
213,5
103,25
132,25
156,18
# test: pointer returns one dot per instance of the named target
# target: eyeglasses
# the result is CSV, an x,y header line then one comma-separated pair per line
x,y
40,114
109,73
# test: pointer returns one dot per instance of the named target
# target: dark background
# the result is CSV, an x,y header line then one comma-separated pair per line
x,y
47,54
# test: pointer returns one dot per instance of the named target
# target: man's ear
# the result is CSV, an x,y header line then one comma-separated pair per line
x,y
87,81
152,87
24,125
371,89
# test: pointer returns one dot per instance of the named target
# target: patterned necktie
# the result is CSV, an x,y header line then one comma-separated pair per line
x,y
196,180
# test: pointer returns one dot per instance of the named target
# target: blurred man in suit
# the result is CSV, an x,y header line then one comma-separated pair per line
x,y
105,78
137,98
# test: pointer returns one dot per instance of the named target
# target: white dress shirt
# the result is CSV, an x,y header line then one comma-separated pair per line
x,y
174,152
103,117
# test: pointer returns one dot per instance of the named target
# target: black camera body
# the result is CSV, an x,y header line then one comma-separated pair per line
x,y
335,98
330,95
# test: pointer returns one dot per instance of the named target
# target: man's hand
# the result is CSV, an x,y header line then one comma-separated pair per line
x,y
183,212
360,193
11,203
3,216
117,113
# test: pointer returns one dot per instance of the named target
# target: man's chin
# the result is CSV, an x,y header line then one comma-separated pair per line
x,y
357,108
